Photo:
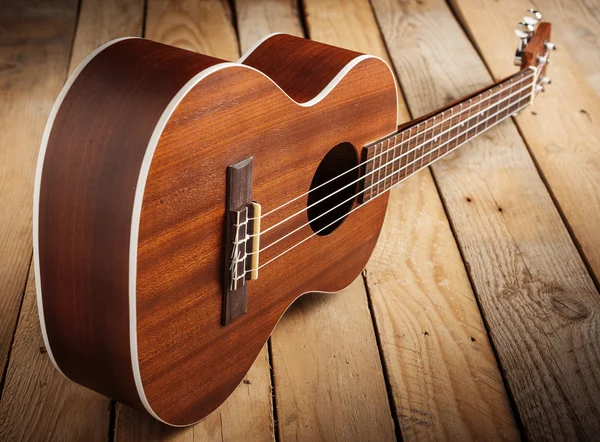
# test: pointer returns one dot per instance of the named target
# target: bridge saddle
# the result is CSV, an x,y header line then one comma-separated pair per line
x,y
242,236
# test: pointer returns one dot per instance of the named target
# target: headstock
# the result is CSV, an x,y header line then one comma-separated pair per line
x,y
534,47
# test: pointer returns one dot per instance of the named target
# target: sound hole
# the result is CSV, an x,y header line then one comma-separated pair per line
x,y
325,216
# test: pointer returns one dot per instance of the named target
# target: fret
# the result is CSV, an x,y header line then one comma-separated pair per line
x,y
430,144
397,150
376,170
462,132
429,130
453,130
495,110
522,95
437,139
517,101
403,154
511,101
390,160
472,125
413,153
424,145
506,100
387,168
367,173
484,109
482,105
410,153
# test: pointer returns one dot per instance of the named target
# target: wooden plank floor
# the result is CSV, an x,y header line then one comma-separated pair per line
x,y
478,316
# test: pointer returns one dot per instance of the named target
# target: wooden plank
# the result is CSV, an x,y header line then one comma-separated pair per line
x,y
256,18
205,27
35,43
576,25
561,131
441,368
538,299
328,377
246,415
37,401
202,26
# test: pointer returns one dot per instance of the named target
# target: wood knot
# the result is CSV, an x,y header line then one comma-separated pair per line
x,y
7,66
569,307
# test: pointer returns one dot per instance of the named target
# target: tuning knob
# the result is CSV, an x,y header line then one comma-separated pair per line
x,y
532,17
518,60
539,88
542,59
524,30
550,46
545,80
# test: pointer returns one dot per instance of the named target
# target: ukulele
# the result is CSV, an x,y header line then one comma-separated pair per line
x,y
183,202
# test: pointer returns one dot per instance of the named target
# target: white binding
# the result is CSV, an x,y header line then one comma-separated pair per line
x,y
256,45
37,184
139,191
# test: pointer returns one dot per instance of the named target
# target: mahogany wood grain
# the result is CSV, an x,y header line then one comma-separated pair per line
x,y
424,141
324,342
35,42
181,227
247,414
439,364
37,401
171,227
86,201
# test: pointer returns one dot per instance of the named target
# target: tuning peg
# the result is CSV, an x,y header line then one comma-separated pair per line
x,y
550,46
539,88
545,80
524,30
532,17
543,59
518,60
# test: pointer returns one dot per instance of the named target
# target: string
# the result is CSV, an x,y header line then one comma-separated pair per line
x,y
458,125
386,177
526,77
372,199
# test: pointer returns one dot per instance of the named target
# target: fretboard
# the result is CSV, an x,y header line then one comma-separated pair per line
x,y
420,143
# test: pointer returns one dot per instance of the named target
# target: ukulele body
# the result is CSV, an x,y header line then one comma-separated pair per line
x,y
129,209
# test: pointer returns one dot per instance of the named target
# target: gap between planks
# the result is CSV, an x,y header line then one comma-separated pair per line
x,y
403,310
520,273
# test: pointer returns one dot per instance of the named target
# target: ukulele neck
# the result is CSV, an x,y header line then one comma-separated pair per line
x,y
421,142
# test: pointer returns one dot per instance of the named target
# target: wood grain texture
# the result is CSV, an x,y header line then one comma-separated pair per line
x,y
328,377
84,236
204,26
539,302
35,43
38,403
256,19
444,385
576,24
101,21
561,130
247,413
190,204
327,373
